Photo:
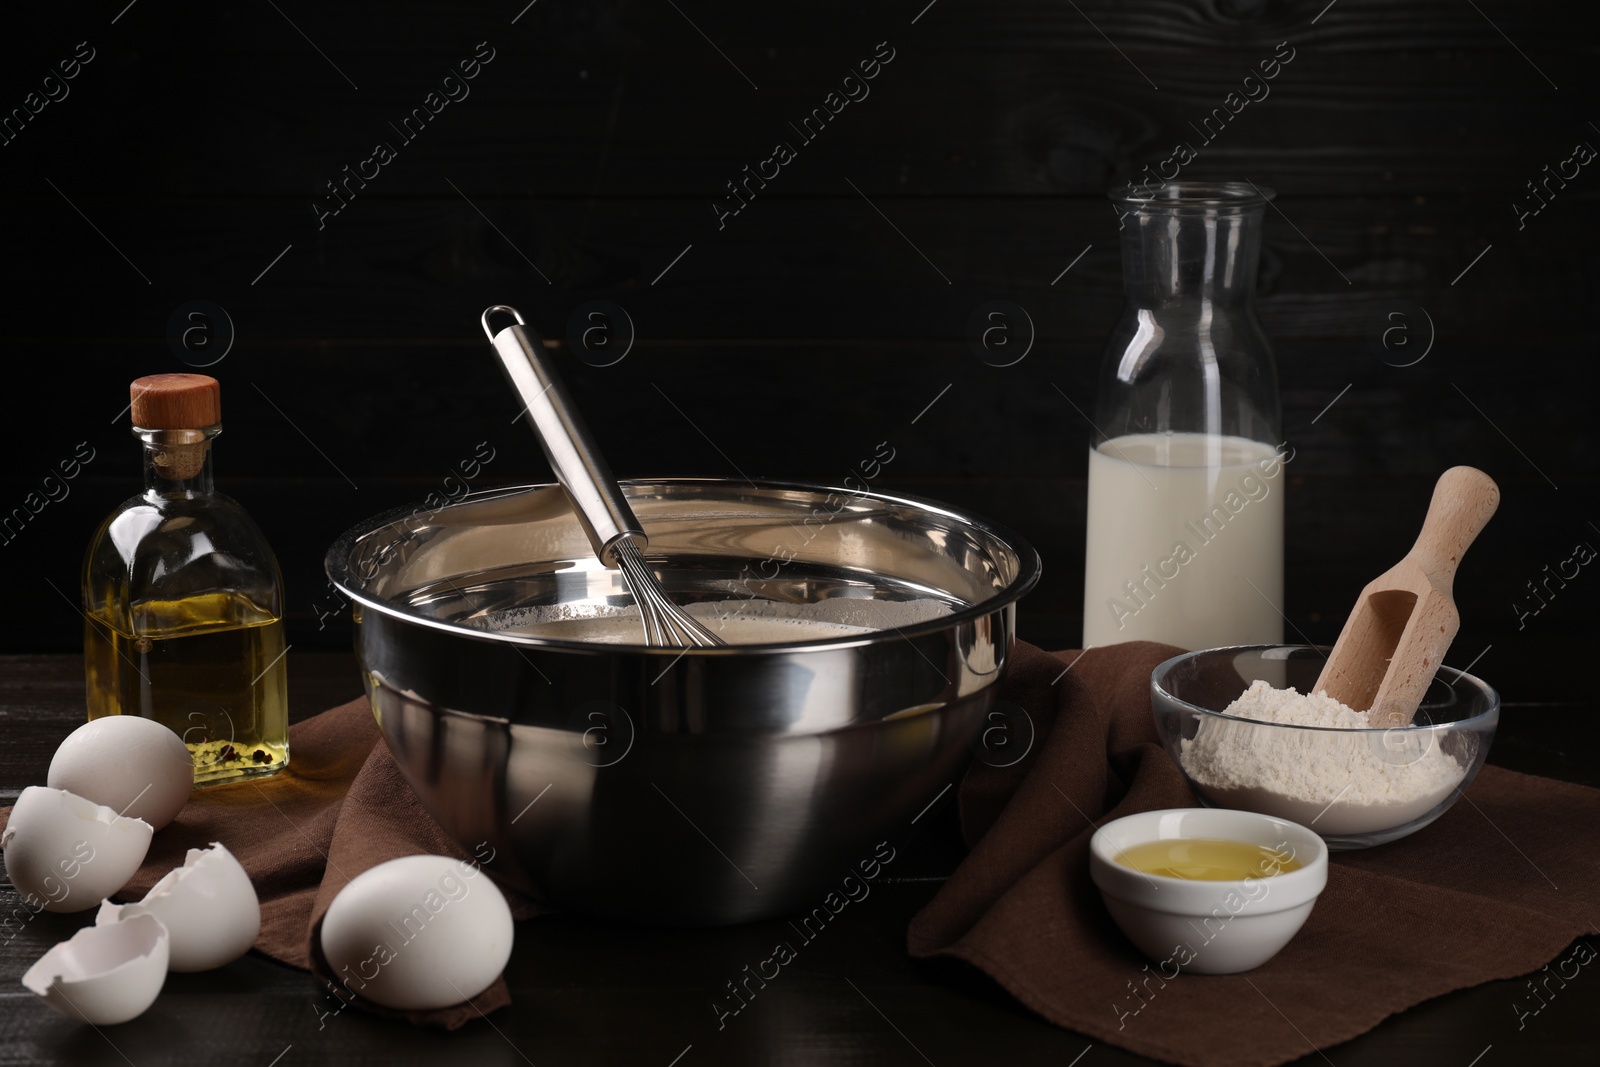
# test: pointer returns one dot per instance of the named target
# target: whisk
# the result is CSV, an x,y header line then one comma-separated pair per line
x,y
614,531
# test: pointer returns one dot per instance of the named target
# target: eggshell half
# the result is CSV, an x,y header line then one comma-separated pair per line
x,y
104,974
208,906
65,853
418,932
135,766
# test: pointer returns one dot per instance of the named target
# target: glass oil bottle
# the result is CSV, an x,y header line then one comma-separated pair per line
x,y
183,598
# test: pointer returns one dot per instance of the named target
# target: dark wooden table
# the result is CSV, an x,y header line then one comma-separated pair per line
x,y
586,992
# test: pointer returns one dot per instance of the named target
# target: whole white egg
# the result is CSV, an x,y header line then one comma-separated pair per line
x,y
64,853
417,933
208,906
104,974
134,766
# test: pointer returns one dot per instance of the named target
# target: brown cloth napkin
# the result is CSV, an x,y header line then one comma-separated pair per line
x,y
1497,887
340,808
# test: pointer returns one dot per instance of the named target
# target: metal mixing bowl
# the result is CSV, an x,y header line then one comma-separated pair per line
x,y
702,787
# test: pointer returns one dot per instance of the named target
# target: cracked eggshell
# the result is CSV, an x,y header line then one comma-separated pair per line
x,y
418,932
134,766
208,906
104,974
67,853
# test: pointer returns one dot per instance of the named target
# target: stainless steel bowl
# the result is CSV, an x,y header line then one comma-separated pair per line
x,y
702,787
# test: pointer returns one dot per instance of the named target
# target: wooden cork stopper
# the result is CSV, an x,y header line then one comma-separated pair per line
x,y
176,402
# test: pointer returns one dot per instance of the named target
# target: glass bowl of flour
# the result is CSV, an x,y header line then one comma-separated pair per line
x,y
1248,732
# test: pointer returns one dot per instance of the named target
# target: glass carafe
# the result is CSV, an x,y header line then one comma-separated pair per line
x,y
183,598
1186,468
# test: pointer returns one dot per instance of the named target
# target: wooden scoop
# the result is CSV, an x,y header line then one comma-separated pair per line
x,y
1406,617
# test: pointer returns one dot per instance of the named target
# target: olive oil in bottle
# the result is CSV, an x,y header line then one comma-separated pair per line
x,y
184,600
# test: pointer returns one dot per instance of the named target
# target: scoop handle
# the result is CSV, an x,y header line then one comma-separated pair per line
x,y
582,471
1463,501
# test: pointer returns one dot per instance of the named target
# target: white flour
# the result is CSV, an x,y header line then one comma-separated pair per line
x,y
1333,782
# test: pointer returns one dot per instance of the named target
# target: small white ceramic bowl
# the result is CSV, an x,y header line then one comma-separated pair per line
x,y
1205,927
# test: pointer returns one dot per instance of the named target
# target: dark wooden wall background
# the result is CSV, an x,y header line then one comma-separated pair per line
x,y
586,159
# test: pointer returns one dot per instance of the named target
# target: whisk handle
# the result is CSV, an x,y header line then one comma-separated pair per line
x,y
579,467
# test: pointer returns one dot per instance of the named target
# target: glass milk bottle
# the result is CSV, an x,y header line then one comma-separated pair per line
x,y
1186,469
183,598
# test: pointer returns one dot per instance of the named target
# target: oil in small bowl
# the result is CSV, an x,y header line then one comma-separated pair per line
x,y
1207,859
